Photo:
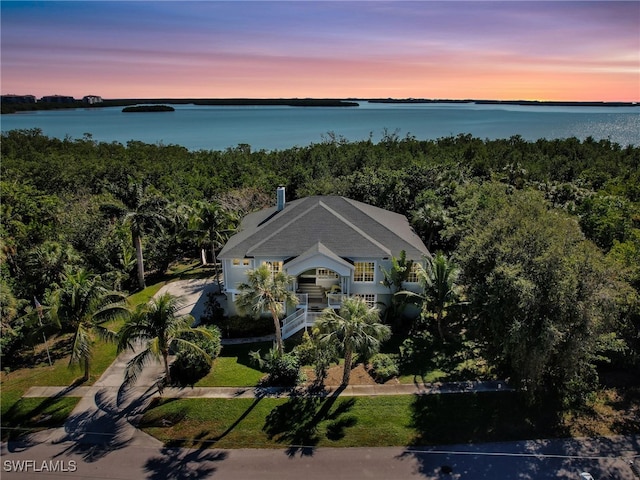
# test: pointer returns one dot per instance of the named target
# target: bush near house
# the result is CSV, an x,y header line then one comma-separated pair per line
x,y
188,367
383,367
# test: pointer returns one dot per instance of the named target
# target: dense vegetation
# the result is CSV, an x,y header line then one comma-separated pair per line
x,y
544,236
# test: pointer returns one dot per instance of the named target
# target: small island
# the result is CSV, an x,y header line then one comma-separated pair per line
x,y
149,108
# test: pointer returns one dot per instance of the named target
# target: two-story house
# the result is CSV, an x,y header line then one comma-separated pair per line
x,y
332,246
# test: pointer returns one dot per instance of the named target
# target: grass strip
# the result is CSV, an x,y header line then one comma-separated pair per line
x,y
347,421
28,415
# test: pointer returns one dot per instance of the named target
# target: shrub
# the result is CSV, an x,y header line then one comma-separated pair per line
x,y
189,367
383,367
283,370
213,311
416,352
306,350
309,352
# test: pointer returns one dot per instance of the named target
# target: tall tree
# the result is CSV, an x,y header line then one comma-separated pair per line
x,y
46,264
355,329
430,219
266,291
439,282
542,296
213,225
393,280
82,304
158,324
142,210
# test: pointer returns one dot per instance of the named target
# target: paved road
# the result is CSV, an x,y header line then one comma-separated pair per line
x,y
533,460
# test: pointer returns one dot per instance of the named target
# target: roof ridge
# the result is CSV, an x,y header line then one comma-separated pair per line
x,y
357,204
354,227
278,230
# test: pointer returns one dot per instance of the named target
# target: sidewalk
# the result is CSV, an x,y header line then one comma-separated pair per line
x,y
254,392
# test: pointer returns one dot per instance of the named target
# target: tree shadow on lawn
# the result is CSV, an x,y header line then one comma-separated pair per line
x,y
466,419
480,417
242,352
203,438
46,414
297,422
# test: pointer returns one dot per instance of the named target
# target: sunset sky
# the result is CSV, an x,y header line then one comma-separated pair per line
x,y
427,49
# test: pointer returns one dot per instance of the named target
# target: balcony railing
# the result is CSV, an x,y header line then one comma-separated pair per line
x,y
334,300
297,321
303,300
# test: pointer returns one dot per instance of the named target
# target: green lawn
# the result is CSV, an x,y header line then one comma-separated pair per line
x,y
15,383
27,415
346,421
233,369
272,423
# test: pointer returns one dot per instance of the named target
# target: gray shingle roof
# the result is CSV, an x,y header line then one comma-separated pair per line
x,y
348,228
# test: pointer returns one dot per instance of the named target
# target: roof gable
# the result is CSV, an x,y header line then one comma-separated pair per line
x,y
346,227
327,258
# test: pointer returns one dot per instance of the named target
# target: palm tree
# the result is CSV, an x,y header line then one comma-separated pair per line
x,y
142,211
158,324
439,282
430,219
213,225
355,329
267,291
47,262
83,304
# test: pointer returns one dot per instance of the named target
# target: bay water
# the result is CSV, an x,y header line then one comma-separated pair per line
x,y
281,127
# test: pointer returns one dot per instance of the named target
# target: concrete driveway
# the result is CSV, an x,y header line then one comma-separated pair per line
x,y
193,293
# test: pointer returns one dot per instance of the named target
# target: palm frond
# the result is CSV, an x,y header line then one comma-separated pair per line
x,y
137,364
190,347
81,346
105,334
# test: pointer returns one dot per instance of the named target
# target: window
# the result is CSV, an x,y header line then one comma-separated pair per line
x,y
413,274
241,262
325,273
364,272
370,298
274,267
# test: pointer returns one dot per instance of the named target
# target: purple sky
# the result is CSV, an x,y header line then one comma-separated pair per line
x,y
503,50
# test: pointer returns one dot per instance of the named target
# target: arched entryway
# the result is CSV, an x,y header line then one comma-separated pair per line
x,y
322,287
321,275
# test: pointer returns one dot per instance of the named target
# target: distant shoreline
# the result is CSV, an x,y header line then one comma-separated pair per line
x,y
552,103
126,102
295,102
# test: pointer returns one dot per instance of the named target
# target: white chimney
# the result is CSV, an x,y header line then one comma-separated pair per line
x,y
280,199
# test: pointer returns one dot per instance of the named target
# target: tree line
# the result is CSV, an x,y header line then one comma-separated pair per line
x,y
543,237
